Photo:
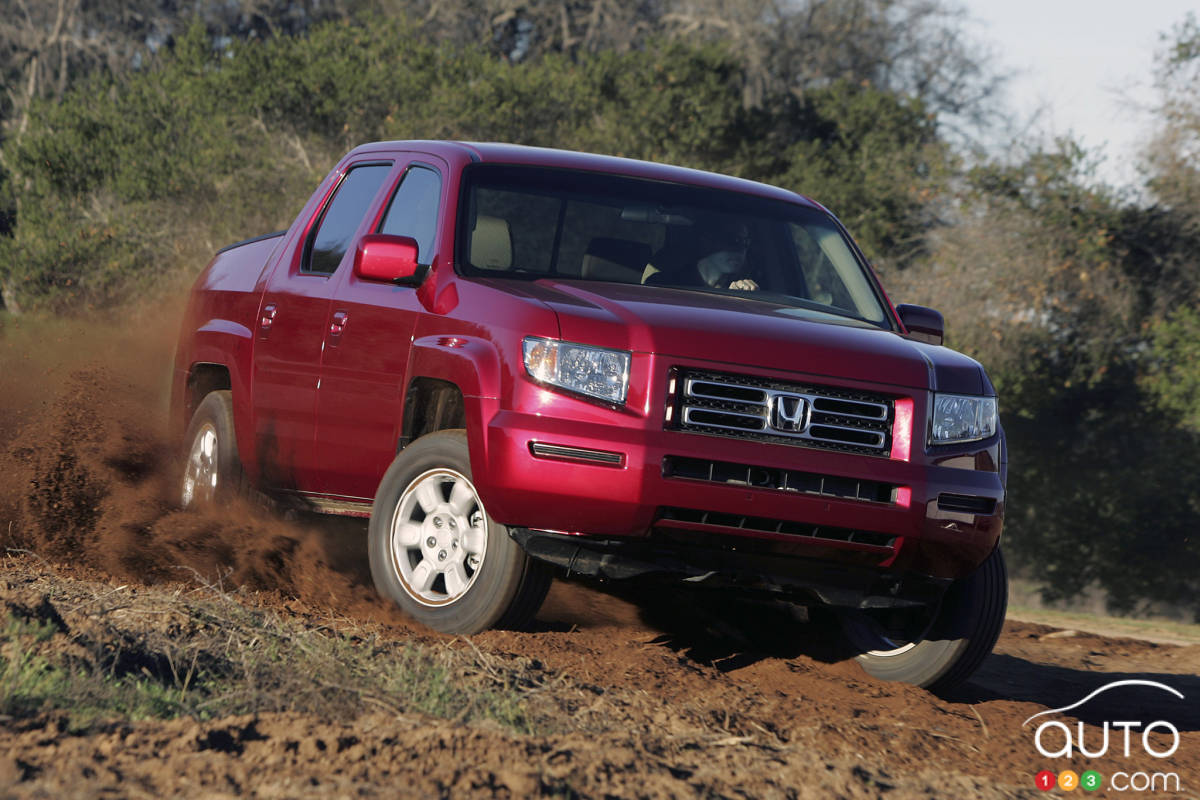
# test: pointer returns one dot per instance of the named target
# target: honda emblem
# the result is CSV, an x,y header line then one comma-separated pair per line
x,y
789,413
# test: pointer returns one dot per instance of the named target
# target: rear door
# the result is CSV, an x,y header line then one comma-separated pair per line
x,y
293,321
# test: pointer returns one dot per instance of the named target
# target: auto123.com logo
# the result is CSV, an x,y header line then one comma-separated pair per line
x,y
1138,740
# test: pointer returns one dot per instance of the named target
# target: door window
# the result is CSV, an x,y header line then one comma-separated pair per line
x,y
332,236
414,210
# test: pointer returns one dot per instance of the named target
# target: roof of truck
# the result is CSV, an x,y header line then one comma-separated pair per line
x,y
499,153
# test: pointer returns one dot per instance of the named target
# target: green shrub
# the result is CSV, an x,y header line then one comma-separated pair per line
x,y
135,177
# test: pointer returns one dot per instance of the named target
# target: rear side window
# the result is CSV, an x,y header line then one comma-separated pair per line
x,y
414,210
331,238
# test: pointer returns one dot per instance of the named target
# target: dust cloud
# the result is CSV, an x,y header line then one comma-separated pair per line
x,y
89,479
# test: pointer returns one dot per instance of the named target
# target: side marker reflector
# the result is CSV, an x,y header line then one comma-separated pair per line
x,y
902,430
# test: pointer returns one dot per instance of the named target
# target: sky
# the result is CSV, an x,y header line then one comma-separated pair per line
x,y
1083,67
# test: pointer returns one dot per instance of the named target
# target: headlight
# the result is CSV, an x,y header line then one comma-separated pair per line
x,y
962,418
594,371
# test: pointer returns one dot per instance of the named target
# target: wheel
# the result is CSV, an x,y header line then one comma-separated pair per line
x,y
435,551
962,633
212,470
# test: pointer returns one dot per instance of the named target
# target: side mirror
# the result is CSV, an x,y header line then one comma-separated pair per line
x,y
389,259
923,324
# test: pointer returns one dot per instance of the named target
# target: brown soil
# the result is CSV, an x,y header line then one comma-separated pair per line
x,y
643,695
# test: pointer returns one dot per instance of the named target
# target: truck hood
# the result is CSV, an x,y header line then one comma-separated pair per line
x,y
751,332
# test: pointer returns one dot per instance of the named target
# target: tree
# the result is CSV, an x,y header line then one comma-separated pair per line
x,y
198,125
873,157
1173,158
47,47
912,48
1174,374
1058,287
1173,161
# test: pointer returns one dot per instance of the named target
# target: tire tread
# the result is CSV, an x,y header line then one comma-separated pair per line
x,y
969,621
995,604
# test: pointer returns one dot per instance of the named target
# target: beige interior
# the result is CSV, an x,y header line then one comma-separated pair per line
x,y
620,260
491,244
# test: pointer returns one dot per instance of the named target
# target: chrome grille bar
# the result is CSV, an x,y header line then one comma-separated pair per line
x,y
729,392
850,408
827,417
710,417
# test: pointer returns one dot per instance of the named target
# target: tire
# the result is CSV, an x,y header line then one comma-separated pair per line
x,y
438,555
212,468
961,636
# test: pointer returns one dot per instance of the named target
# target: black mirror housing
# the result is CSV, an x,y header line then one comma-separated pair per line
x,y
922,324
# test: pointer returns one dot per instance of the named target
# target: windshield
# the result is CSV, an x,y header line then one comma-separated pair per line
x,y
530,222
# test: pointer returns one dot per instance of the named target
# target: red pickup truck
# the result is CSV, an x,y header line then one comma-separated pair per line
x,y
516,360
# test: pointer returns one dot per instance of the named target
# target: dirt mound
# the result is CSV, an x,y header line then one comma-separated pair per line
x,y
619,711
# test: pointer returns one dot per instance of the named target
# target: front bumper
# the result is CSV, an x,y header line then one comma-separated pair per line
x,y
604,475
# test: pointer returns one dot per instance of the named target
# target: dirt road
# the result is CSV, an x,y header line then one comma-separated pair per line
x,y
636,697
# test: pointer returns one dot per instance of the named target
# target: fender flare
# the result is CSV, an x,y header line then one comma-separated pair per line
x,y
473,365
230,344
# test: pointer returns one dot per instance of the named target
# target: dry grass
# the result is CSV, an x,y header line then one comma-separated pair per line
x,y
98,651
1162,631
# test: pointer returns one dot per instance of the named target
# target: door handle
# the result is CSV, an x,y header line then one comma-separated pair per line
x,y
266,320
338,324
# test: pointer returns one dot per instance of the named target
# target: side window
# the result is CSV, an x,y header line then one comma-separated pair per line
x,y
341,218
414,210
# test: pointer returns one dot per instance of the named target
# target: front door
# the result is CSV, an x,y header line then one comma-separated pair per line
x,y
363,374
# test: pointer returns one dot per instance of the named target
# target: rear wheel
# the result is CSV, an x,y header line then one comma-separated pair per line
x,y
962,633
435,551
212,469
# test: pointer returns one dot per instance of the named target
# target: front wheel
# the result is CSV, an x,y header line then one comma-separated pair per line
x,y
435,551
960,636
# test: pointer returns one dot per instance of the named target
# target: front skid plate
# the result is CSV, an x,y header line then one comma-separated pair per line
x,y
832,584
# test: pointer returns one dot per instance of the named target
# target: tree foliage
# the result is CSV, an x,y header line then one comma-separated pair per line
x,y
1063,290
202,131
1173,160
1174,374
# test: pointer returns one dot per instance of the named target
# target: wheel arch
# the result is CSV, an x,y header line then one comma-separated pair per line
x,y
203,377
463,374
430,405
216,356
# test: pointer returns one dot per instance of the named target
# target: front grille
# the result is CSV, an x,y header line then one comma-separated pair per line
x,y
717,522
746,407
786,480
